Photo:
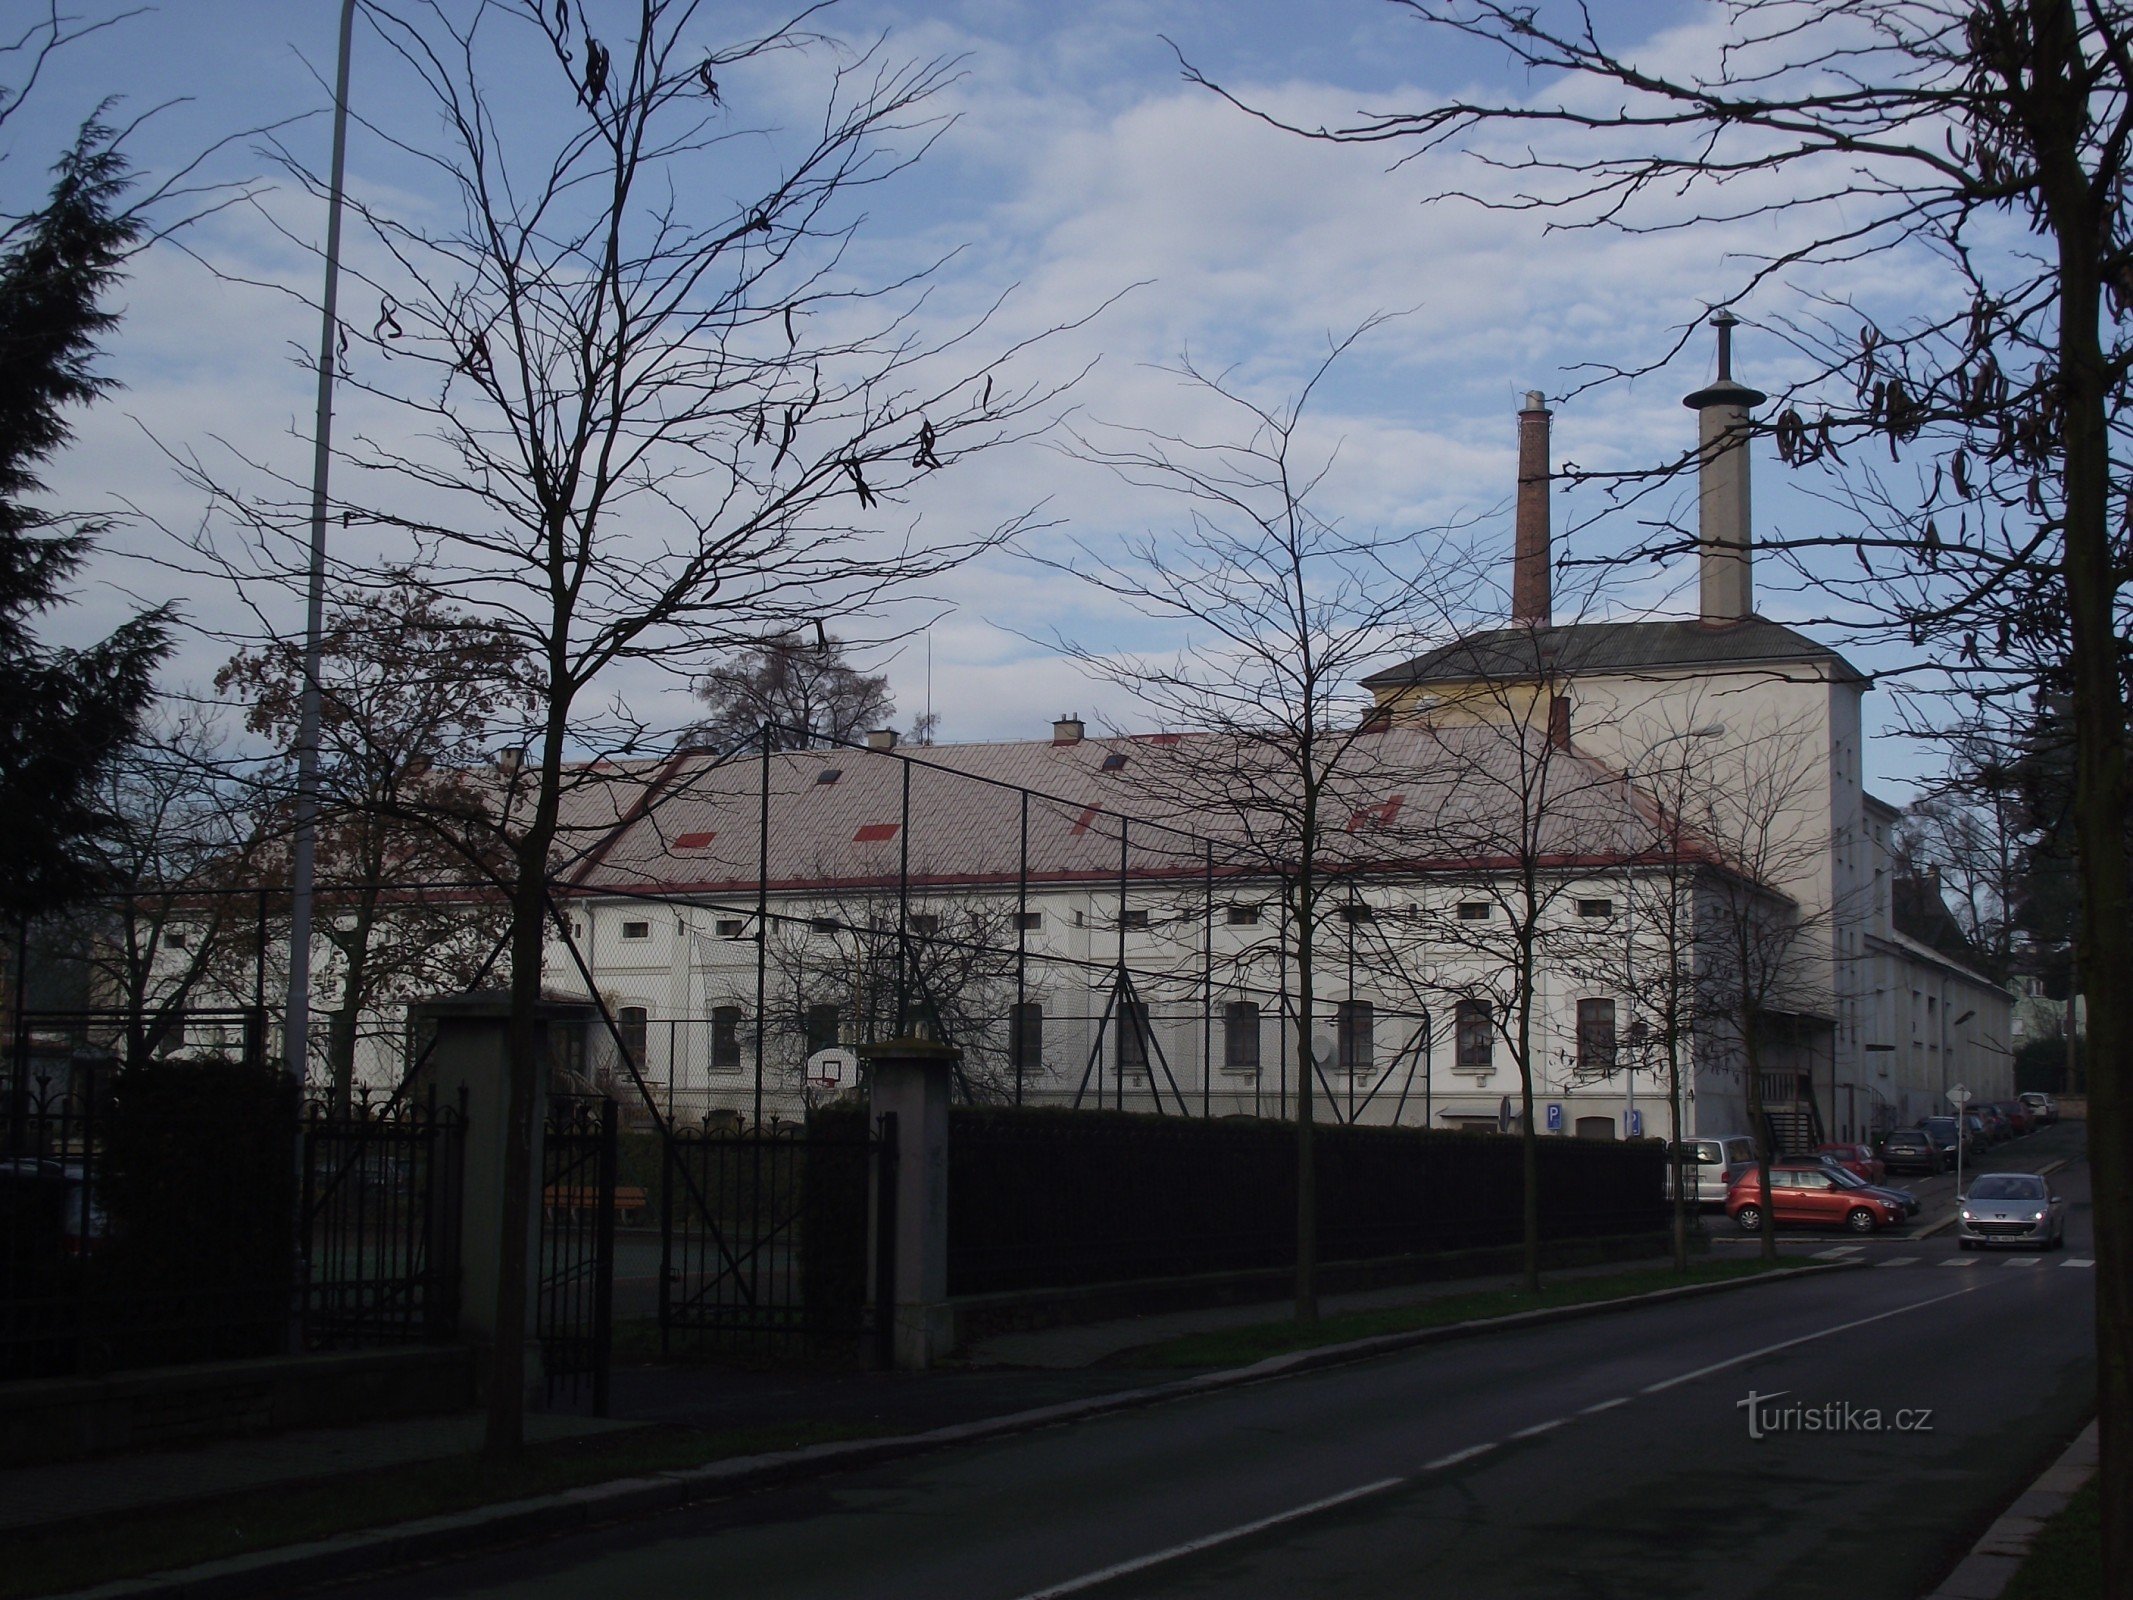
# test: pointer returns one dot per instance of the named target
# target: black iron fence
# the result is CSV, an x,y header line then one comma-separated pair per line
x,y
575,1310
194,1210
1045,1198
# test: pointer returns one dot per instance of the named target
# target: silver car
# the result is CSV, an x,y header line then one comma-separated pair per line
x,y
2012,1208
1710,1167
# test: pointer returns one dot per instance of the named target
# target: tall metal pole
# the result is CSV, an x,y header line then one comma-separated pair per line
x,y
1018,1030
1207,978
762,920
296,1026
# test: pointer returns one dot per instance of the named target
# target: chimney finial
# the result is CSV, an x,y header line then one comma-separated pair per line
x,y
1725,322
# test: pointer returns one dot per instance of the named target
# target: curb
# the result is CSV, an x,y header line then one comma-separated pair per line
x,y
372,1550
1986,1571
1949,1221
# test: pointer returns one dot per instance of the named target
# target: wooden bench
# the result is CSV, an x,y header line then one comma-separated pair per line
x,y
559,1199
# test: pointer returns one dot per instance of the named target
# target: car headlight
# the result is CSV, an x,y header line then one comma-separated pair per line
x,y
2039,1216
1967,1217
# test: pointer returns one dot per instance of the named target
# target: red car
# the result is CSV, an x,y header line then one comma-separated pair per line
x,y
1812,1198
1855,1158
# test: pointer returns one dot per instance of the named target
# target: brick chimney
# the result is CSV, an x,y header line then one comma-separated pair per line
x,y
1067,730
1724,538
1532,601
882,739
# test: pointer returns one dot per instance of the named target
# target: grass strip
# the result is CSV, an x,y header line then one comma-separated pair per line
x,y
2066,1559
1236,1347
126,1544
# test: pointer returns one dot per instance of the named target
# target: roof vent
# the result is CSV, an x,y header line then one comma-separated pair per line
x,y
1067,730
829,775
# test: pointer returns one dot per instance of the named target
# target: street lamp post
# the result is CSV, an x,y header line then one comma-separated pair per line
x,y
296,1026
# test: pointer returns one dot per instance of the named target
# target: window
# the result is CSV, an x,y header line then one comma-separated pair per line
x,y
1116,761
177,938
1133,917
1476,1035
1028,921
1596,1036
636,930
1240,1036
1354,1026
632,1023
825,924
1598,909
925,922
725,1038
819,1023
1473,911
1133,1036
731,927
1243,916
1025,1036
1354,913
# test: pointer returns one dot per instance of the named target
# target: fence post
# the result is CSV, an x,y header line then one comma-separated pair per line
x,y
910,1080
471,1054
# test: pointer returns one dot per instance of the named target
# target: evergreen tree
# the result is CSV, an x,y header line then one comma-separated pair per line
x,y
64,713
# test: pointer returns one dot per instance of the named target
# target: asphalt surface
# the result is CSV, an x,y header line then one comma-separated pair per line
x,y
1601,1458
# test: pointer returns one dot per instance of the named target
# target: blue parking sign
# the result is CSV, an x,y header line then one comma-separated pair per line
x,y
1636,1124
1555,1119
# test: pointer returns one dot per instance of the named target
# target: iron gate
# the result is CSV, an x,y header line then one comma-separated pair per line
x,y
575,1319
765,1246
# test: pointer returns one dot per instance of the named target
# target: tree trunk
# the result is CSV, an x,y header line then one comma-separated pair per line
x,y
1306,1076
1528,1135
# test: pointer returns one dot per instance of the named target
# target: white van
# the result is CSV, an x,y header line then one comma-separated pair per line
x,y
1710,1167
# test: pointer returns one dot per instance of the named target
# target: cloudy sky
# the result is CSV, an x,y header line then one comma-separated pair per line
x,y
1080,171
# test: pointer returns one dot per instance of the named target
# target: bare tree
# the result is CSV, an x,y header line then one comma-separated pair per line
x,y
795,689
632,430
1905,127
1283,610
412,691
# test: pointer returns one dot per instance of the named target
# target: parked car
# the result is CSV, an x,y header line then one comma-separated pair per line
x,y
2041,1104
1997,1128
1903,1199
1944,1132
1912,1150
1979,1139
2012,1208
1856,1158
47,1204
2017,1115
1810,1197
1711,1167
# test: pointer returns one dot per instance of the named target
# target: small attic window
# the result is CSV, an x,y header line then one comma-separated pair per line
x,y
1473,911
1116,761
828,775
1133,917
1243,915
731,927
825,925
636,930
1596,908
1357,912
925,922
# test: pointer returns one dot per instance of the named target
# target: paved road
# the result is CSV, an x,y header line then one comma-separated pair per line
x,y
1601,1458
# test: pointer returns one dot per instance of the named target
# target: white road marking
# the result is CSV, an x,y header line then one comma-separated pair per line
x,y
1605,1405
1902,1261
2078,1261
2023,1261
1960,1261
1837,1252
1090,1580
1805,1338
1540,1428
1458,1456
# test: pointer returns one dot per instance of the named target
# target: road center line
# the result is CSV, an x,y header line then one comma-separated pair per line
x,y
1605,1405
1458,1456
1090,1580
1805,1338
1540,1428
